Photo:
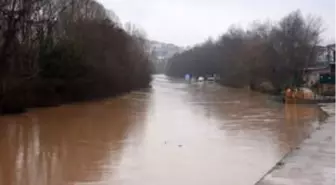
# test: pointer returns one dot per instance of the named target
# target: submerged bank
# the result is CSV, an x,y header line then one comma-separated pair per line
x,y
21,105
312,162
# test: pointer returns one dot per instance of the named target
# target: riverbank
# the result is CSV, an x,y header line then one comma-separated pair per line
x,y
262,87
20,104
57,66
313,162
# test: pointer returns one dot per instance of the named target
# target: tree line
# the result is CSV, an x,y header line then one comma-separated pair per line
x,y
57,51
267,56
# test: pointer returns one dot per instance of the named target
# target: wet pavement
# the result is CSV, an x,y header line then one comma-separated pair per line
x,y
313,162
175,133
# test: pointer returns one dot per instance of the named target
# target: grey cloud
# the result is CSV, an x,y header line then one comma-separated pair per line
x,y
186,22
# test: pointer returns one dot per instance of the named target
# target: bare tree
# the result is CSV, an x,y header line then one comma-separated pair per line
x,y
274,52
64,46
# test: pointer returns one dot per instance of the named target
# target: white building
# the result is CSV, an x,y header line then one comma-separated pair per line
x,y
324,62
326,53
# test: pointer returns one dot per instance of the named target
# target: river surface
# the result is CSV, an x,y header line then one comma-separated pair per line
x,y
176,133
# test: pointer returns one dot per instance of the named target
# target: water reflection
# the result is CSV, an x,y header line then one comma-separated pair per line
x,y
176,133
64,145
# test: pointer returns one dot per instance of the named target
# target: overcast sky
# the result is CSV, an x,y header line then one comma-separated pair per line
x,y
187,22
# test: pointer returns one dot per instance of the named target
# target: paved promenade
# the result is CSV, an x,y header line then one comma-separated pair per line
x,y
313,163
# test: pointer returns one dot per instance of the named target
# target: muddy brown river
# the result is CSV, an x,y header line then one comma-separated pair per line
x,y
176,133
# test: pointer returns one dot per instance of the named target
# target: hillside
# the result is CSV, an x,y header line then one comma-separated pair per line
x,y
164,50
161,52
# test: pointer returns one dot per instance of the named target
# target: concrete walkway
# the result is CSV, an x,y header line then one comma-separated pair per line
x,y
313,163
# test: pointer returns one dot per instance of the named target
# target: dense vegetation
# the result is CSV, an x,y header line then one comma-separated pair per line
x,y
266,56
56,51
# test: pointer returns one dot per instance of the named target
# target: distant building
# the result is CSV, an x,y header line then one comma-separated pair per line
x,y
321,54
322,73
326,53
330,53
313,74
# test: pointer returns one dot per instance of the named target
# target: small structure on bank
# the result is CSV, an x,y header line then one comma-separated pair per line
x,y
319,80
321,75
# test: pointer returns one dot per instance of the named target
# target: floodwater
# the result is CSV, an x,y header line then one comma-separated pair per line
x,y
175,133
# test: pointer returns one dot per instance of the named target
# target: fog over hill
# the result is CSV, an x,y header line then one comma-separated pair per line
x,y
161,52
164,50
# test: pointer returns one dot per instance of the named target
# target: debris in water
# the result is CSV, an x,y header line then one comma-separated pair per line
x,y
280,163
